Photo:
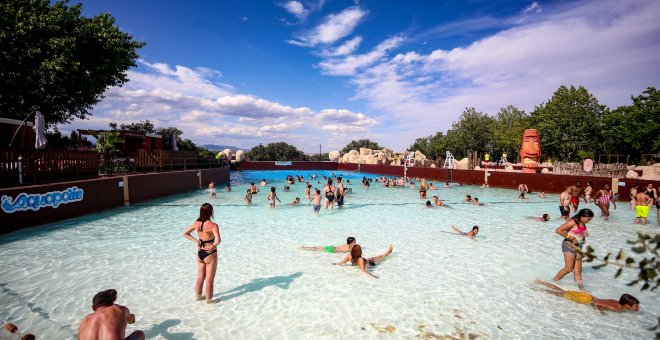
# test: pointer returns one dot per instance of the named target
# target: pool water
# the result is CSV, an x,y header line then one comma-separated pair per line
x,y
434,285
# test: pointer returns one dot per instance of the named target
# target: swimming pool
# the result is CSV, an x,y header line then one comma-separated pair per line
x,y
434,284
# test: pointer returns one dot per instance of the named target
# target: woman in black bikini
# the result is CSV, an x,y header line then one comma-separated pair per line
x,y
355,256
207,253
329,192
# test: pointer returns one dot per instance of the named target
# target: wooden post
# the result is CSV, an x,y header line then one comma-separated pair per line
x,y
127,198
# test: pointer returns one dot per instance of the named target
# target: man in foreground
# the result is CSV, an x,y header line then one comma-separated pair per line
x,y
108,322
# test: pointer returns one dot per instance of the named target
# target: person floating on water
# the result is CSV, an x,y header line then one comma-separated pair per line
x,y
344,248
626,301
109,320
544,218
207,253
575,234
471,233
355,256
438,202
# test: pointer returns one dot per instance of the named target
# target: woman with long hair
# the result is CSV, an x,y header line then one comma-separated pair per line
x,y
208,239
574,232
355,256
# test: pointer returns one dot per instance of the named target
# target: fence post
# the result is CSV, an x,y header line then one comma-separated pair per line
x,y
184,164
20,169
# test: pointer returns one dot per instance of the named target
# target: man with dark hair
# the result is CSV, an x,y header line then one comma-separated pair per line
x,y
344,248
625,302
109,320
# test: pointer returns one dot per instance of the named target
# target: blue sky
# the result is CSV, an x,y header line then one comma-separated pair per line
x,y
326,72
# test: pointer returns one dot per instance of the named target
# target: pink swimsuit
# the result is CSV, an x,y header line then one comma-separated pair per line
x,y
605,198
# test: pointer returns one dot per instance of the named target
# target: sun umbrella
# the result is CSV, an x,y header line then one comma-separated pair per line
x,y
40,128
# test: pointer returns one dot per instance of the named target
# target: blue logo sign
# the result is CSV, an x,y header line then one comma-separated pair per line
x,y
283,163
34,202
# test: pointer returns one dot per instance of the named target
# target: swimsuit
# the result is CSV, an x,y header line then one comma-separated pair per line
x,y
202,254
564,210
579,297
604,198
317,207
574,200
330,196
329,249
642,211
578,233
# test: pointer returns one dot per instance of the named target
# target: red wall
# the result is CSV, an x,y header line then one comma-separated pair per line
x,y
105,193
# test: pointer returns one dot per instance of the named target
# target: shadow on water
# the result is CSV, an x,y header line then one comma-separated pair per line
x,y
258,284
161,329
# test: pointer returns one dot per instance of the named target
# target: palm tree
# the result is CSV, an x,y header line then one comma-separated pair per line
x,y
107,145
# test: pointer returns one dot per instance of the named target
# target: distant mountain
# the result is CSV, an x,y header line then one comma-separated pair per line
x,y
215,147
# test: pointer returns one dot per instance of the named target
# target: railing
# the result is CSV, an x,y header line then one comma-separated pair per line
x,y
48,166
43,166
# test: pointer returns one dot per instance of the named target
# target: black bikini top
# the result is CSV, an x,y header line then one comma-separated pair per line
x,y
202,242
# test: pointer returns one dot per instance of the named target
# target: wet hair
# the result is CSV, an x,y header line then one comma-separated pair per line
x,y
248,190
309,185
428,203
546,217
28,337
356,254
272,189
468,196
350,240
435,196
330,182
628,300
105,298
475,228
317,191
583,213
476,199
339,179
205,212
297,198
251,183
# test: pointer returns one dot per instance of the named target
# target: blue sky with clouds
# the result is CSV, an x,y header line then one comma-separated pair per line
x,y
326,72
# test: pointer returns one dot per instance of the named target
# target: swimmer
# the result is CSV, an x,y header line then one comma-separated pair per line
x,y
308,190
438,202
522,195
212,189
317,200
565,203
272,196
468,198
286,188
542,194
476,201
523,187
446,184
423,187
295,202
339,194
587,192
626,301
228,188
603,198
329,192
355,256
253,189
485,185
248,197
471,233
428,204
344,248
264,182
544,218
412,185
431,186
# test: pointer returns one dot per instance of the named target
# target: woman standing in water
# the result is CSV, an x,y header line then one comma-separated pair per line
x,y
208,236
603,198
574,232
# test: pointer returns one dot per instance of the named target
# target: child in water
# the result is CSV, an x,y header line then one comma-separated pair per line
x,y
248,197
272,196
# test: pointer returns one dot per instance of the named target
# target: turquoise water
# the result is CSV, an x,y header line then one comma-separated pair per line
x,y
434,284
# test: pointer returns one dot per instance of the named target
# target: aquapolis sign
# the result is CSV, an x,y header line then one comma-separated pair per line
x,y
34,202
283,163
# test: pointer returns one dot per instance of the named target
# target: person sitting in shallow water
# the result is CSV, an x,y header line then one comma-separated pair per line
x,y
476,201
471,233
355,256
295,202
437,201
344,248
626,301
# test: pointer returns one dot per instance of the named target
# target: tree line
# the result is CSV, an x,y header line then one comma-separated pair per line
x,y
573,125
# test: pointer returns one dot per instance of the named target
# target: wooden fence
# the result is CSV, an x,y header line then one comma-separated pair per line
x,y
43,166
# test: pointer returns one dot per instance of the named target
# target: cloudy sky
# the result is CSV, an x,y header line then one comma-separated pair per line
x,y
318,72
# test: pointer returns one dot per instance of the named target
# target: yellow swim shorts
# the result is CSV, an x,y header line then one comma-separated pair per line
x,y
579,297
642,211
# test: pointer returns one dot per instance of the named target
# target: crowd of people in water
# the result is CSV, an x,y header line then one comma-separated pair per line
x,y
109,320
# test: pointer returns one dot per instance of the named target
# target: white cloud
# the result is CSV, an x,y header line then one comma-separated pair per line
x,y
296,8
333,28
610,47
349,65
346,48
534,7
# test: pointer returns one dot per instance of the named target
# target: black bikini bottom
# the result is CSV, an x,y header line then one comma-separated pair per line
x,y
202,254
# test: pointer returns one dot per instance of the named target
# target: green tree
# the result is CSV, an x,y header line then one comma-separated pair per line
x,y
507,130
56,61
362,143
107,145
571,121
141,127
275,152
634,129
432,147
472,132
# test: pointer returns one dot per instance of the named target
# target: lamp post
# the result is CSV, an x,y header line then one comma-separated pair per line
x,y
320,152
